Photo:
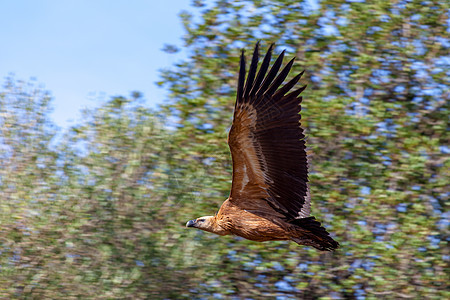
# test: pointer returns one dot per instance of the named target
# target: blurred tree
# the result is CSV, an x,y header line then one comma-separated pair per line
x,y
376,113
28,185
99,213
25,136
82,217
112,160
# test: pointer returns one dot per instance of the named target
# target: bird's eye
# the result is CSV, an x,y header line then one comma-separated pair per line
x,y
201,220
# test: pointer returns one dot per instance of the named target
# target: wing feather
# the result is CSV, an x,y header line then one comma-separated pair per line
x,y
252,71
280,78
241,79
262,72
267,143
270,76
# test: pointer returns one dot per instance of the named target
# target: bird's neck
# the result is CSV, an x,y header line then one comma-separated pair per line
x,y
213,225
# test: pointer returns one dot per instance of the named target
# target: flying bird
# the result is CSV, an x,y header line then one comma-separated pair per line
x,y
270,198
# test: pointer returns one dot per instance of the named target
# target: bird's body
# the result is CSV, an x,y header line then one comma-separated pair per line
x,y
270,197
233,220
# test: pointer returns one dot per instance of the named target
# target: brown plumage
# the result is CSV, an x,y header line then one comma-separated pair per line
x,y
269,197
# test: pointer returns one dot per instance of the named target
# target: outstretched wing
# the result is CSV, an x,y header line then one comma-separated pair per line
x,y
266,141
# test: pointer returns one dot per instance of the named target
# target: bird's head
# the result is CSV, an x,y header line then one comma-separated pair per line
x,y
204,223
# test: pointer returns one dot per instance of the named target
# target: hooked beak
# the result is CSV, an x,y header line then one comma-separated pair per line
x,y
191,223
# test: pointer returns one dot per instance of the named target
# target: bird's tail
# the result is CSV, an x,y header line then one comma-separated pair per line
x,y
311,233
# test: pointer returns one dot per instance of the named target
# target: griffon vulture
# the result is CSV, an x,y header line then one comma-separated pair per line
x,y
269,199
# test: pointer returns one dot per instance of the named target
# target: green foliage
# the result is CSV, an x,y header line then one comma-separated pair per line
x,y
99,213
376,117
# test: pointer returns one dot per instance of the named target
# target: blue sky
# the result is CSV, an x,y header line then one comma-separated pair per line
x,y
84,51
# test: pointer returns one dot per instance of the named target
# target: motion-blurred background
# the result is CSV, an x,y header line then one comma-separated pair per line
x,y
94,208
